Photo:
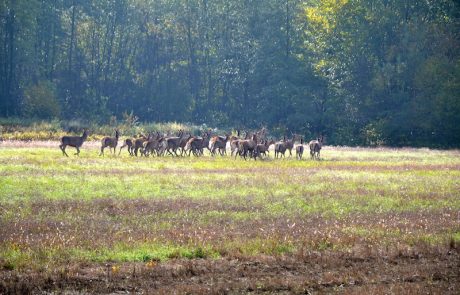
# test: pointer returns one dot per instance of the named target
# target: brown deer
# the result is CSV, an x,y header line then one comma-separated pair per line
x,y
290,144
299,150
139,144
73,141
183,143
220,143
247,146
235,141
196,144
263,148
280,148
152,146
193,145
127,143
315,147
110,142
171,144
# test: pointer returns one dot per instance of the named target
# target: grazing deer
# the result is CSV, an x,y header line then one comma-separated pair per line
x,y
127,143
73,141
315,147
299,150
110,142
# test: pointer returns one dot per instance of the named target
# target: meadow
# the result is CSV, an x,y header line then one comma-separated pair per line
x,y
358,220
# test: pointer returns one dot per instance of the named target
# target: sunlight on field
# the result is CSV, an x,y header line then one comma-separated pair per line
x,y
89,208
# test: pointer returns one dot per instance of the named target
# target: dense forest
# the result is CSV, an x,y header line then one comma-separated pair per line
x,y
361,72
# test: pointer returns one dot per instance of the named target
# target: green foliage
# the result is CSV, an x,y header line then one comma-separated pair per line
x,y
40,101
360,72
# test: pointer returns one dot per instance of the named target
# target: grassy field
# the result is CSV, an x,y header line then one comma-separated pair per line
x,y
358,220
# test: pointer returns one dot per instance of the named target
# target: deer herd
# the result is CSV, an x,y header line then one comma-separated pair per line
x,y
252,145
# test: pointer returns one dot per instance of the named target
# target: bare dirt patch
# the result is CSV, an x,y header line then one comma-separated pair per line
x,y
314,272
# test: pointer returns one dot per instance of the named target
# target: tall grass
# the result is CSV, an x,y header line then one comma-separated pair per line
x,y
30,129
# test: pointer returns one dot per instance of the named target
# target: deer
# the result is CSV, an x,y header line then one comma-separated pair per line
x,y
280,148
299,150
110,142
290,144
315,147
73,141
183,143
139,144
152,146
127,143
196,144
263,148
235,141
220,143
193,145
173,143
247,146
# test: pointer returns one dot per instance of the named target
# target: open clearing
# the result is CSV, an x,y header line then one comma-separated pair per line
x,y
358,221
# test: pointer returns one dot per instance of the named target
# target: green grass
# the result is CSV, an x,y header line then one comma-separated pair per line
x,y
56,210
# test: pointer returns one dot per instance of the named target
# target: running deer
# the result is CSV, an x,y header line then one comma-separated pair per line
x,y
139,144
183,143
263,148
280,148
299,150
234,141
315,147
152,146
171,144
73,141
220,143
110,142
196,144
128,143
193,146
247,146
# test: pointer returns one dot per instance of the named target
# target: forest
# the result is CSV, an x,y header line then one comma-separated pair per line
x,y
359,72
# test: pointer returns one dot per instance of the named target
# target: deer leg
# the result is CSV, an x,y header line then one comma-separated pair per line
x,y
78,151
102,151
63,150
175,152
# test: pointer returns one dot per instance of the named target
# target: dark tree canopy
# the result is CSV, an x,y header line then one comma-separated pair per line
x,y
358,71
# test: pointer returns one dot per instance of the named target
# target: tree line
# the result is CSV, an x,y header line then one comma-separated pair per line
x,y
360,72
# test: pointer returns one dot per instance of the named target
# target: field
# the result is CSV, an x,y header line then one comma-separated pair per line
x,y
358,221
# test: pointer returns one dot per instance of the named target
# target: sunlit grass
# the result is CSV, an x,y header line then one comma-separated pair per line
x,y
55,209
